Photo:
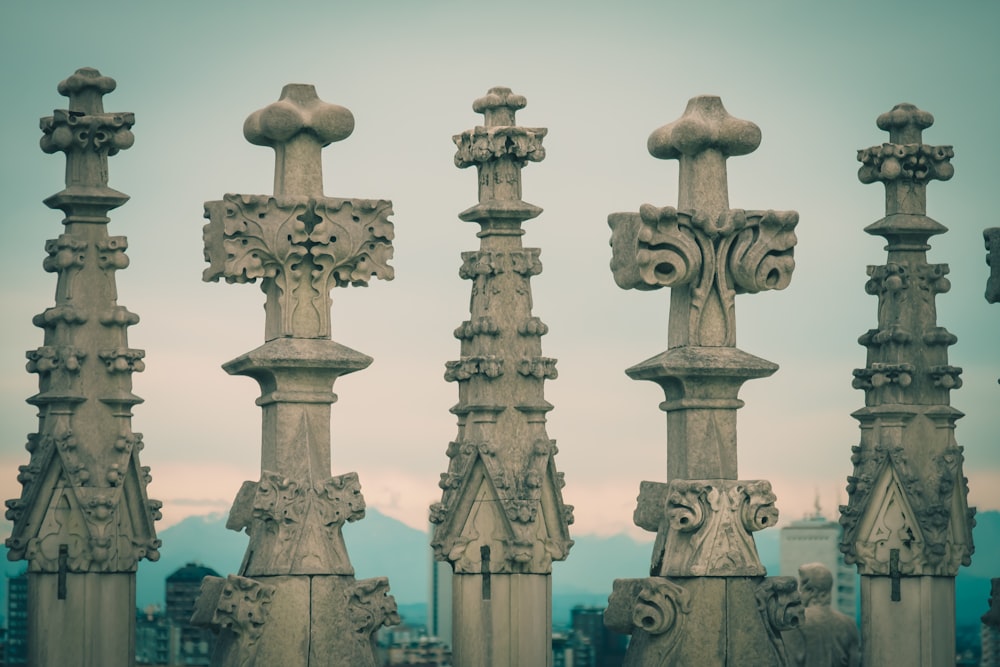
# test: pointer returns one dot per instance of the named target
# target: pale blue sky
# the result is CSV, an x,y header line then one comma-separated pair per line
x,y
814,76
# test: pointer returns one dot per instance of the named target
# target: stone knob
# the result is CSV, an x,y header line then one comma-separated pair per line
x,y
498,106
84,88
704,125
297,127
905,123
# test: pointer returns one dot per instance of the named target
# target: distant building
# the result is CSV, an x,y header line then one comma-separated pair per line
x,y
152,637
17,621
189,645
591,643
562,650
408,646
815,539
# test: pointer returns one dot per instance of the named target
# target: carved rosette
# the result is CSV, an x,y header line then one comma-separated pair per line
x,y
301,248
704,527
83,506
501,491
907,511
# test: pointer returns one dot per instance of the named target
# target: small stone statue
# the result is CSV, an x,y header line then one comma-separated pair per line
x,y
827,638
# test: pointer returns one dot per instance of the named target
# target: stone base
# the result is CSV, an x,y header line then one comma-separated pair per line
x,y
704,621
93,623
295,621
504,621
918,630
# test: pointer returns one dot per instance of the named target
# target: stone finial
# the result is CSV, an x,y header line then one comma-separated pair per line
x,y
701,139
905,165
298,242
87,135
499,151
705,250
298,126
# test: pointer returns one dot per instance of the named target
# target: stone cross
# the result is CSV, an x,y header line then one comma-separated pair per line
x,y
84,521
501,520
907,524
706,602
301,245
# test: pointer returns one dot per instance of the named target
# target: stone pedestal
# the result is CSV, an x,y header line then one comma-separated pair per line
x,y
907,524
707,601
501,520
83,520
295,601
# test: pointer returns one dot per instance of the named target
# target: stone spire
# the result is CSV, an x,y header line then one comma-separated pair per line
x,y
907,525
501,520
83,520
707,601
295,601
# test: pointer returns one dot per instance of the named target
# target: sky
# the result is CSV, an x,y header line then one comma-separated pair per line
x,y
813,76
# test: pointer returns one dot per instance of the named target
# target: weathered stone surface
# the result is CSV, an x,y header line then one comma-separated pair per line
x,y
715,608
300,603
907,524
84,521
501,517
825,637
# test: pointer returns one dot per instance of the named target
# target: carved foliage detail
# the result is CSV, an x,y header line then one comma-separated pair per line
x,y
893,505
302,247
369,607
489,366
524,261
485,144
703,526
295,527
905,162
70,130
737,251
781,608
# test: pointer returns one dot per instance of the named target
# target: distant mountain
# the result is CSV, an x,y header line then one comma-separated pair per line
x,y
381,546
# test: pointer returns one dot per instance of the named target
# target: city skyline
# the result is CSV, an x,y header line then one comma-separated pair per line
x,y
813,79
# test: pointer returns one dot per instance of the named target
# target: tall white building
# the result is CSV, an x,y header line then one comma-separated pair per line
x,y
815,539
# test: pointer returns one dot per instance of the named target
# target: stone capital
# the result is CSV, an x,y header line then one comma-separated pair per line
x,y
704,527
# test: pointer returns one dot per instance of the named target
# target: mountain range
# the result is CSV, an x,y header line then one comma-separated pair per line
x,y
382,546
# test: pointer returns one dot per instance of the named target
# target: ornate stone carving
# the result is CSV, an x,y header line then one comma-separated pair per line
x,y
238,606
703,526
907,517
301,245
501,510
736,251
370,607
707,253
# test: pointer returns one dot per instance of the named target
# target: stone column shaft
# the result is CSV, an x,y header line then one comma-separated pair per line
x,y
706,601
907,524
83,520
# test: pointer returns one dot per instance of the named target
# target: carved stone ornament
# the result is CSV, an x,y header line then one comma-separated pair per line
x,y
655,606
295,527
717,256
370,607
83,506
501,491
301,248
907,511
237,606
703,527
